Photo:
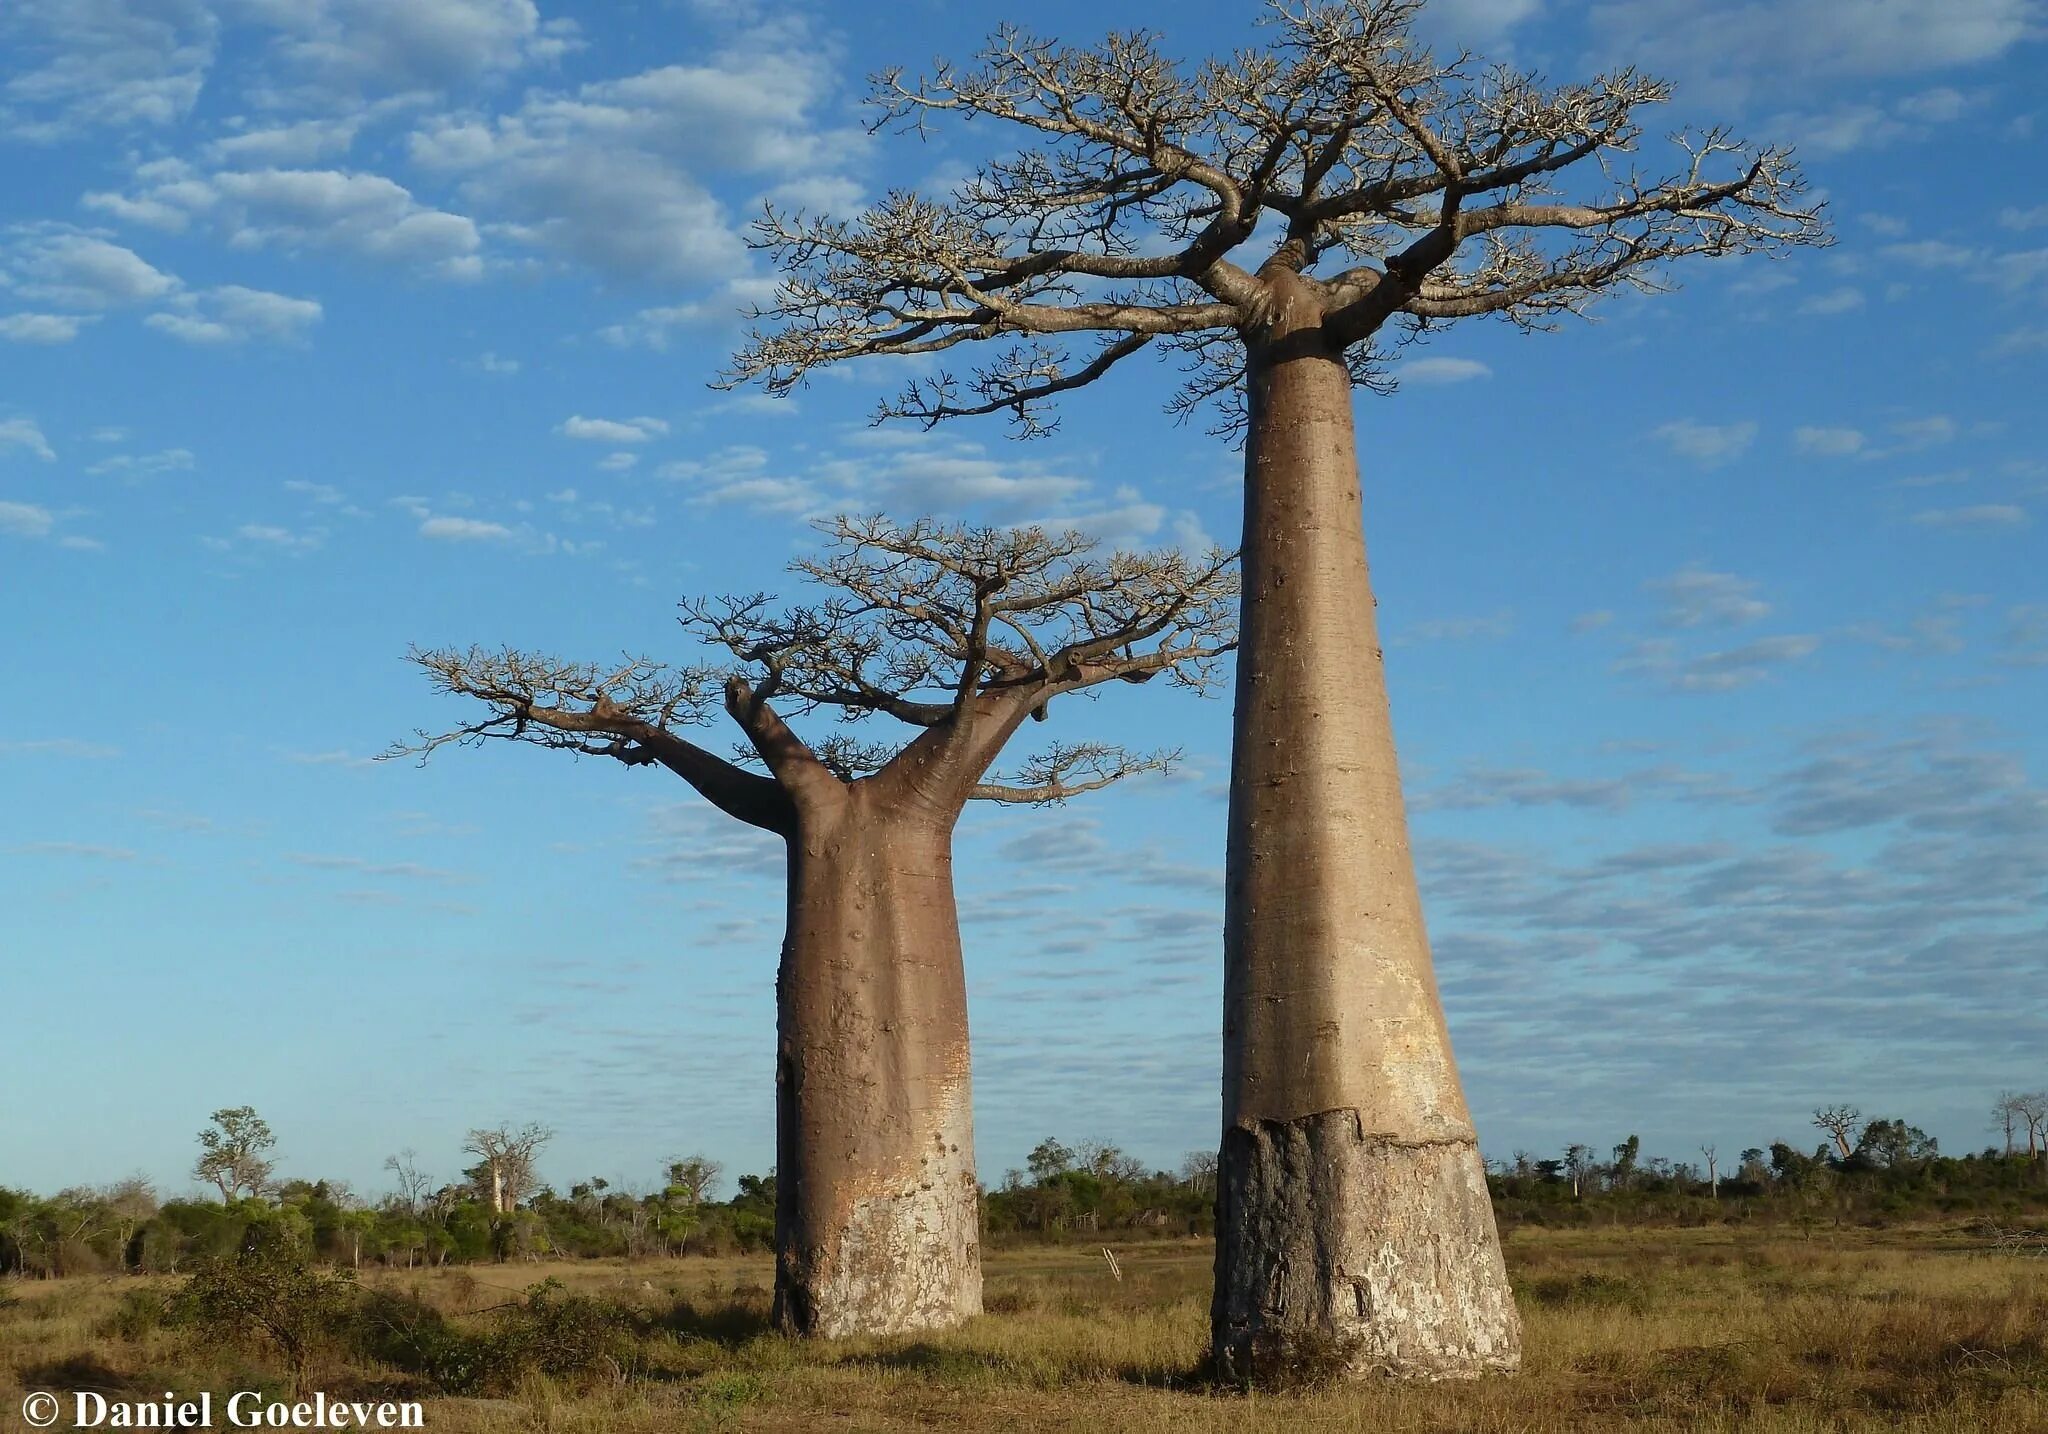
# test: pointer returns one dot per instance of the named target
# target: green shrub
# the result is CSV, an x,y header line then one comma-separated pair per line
x,y
269,1297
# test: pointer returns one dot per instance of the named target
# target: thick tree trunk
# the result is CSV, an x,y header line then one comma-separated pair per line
x,y
1353,1222
877,1205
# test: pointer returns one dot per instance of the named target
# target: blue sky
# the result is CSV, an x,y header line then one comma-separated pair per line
x,y
1717,629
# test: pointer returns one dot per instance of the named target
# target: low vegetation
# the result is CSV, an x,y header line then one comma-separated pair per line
x,y
1715,1328
1872,1174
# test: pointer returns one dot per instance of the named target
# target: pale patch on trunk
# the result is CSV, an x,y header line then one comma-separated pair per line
x,y
878,1207
909,1254
1354,1250
1376,1236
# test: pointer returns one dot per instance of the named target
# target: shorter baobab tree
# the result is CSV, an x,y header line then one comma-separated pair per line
x,y
962,634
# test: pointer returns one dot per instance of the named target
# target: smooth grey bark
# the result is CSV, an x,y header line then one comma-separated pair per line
x,y
877,1202
1352,1211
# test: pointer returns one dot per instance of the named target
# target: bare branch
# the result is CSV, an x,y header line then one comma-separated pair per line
x,y
626,712
1405,187
1066,771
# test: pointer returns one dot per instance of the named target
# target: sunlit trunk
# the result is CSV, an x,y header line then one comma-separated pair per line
x,y
877,1205
1353,1222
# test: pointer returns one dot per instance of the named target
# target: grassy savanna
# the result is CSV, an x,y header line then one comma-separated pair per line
x,y
1667,1330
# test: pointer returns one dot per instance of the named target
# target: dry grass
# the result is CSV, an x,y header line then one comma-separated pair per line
x,y
1636,1330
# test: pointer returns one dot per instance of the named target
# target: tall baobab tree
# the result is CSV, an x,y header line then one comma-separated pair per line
x,y
961,634
1275,220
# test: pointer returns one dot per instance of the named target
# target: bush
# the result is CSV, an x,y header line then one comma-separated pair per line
x,y
140,1313
270,1297
548,1332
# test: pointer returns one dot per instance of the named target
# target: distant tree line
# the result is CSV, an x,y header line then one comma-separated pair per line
x,y
1869,1171
1865,1171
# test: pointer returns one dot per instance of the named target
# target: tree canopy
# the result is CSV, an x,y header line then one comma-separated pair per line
x,y
958,632
1151,202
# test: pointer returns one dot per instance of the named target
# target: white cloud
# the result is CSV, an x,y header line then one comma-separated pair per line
x,y
305,208
1835,301
85,850
739,475
1909,435
1926,432
2021,341
366,213
655,328
1867,124
330,52
1828,442
1720,671
617,462
612,430
1441,370
1488,626
2013,217
1694,596
1127,522
624,213
936,475
83,64
464,530
2023,272
325,495
232,314
1742,48
410,870
25,520
1477,21
1709,445
1931,254
299,143
73,270
612,174
1982,515
144,465
57,747
269,535
23,433
43,328
2026,635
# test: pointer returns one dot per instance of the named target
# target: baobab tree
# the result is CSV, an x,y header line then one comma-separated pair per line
x,y
1840,1122
505,1169
232,1152
2032,1109
1578,1164
962,634
413,1183
1277,220
2005,1114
